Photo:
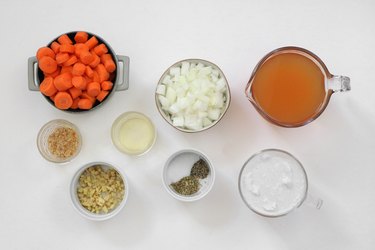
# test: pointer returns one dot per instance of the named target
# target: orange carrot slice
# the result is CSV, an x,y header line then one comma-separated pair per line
x,y
103,94
72,60
66,69
96,77
55,46
64,39
86,57
63,82
79,82
93,89
106,85
102,72
75,92
67,48
89,72
45,51
53,74
47,87
63,100
100,49
78,69
87,96
85,104
47,64
92,42
81,37
95,62
61,58
79,47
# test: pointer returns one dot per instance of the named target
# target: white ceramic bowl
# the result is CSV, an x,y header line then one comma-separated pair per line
x,y
83,211
179,165
167,117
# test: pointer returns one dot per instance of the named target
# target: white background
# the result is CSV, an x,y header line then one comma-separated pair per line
x,y
337,149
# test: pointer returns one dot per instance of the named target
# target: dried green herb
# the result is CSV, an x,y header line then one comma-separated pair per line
x,y
188,185
200,169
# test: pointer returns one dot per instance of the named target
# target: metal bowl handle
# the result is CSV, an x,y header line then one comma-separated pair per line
x,y
123,83
31,73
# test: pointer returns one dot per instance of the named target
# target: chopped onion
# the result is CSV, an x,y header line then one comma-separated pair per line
x,y
193,95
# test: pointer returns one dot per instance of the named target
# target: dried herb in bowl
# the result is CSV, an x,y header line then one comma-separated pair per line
x,y
200,169
188,185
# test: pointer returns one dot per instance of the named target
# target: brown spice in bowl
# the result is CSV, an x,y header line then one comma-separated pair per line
x,y
63,142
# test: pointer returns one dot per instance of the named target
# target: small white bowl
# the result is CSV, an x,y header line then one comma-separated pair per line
x,y
179,165
77,204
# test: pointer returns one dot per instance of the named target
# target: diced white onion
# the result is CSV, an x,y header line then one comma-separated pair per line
x,y
193,95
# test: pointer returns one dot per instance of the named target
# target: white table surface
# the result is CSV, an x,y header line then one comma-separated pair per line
x,y
337,149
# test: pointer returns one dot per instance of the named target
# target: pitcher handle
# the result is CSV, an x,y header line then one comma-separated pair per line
x,y
339,83
313,201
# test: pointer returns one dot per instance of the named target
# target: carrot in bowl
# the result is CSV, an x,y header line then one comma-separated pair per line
x,y
47,86
75,103
78,69
63,81
87,96
84,103
47,64
89,72
100,49
79,47
81,37
61,58
102,72
66,69
63,100
64,39
53,74
103,94
72,60
55,46
86,57
106,85
93,89
95,62
45,51
92,42
75,92
79,82
67,48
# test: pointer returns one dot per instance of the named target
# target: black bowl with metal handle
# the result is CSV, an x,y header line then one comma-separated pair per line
x,y
120,77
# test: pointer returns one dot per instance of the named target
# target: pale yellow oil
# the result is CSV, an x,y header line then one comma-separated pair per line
x,y
136,135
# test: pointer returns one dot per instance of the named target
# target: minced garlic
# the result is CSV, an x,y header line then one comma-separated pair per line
x,y
63,142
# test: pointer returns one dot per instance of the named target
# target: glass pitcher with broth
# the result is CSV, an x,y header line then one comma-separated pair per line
x,y
291,86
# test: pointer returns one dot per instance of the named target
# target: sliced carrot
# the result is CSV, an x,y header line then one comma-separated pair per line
x,y
47,64
61,58
47,87
81,37
105,57
95,62
75,103
67,48
89,72
96,77
86,57
79,47
79,82
55,46
92,42
93,89
66,69
102,72
64,39
63,82
78,69
100,49
52,97
87,96
84,103
88,79
103,94
75,92
106,85
72,60
63,100
53,74
45,51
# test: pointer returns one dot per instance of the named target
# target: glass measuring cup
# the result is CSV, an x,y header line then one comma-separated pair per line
x,y
291,86
273,183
